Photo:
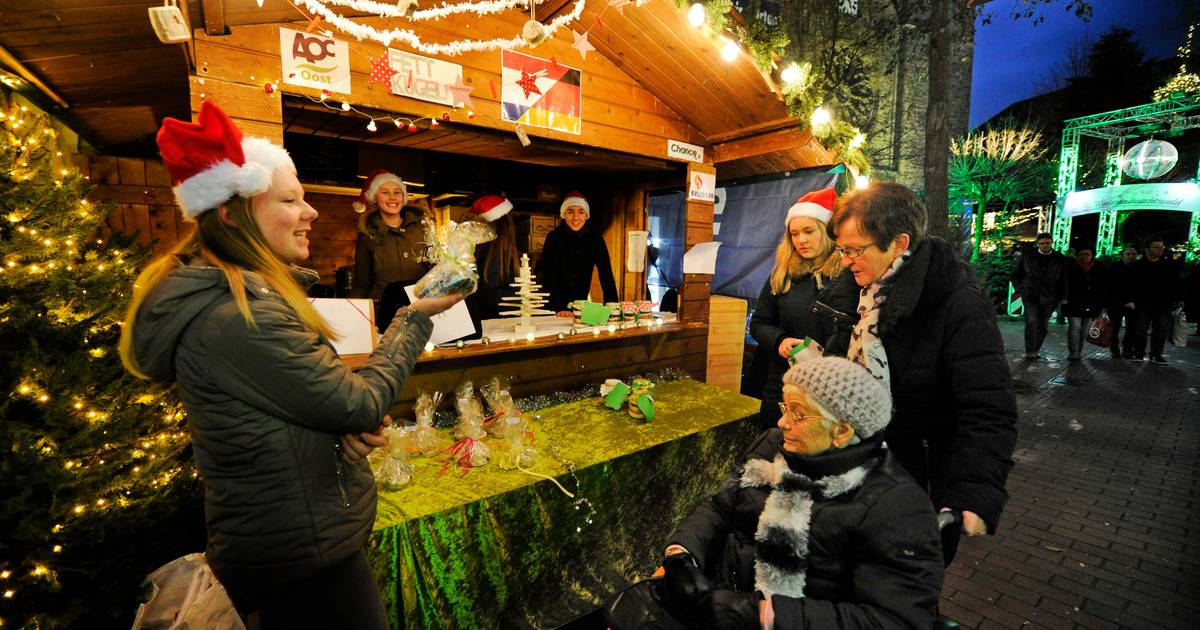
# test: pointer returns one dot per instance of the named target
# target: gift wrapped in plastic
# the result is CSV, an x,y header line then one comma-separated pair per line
x,y
469,451
455,273
518,443
390,463
426,440
500,405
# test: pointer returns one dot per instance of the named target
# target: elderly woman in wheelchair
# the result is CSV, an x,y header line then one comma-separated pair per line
x,y
819,528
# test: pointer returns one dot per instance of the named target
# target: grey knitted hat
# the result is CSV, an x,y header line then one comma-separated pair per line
x,y
845,389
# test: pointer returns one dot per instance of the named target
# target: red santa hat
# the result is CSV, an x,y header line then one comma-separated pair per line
x,y
491,207
817,204
574,198
210,162
371,187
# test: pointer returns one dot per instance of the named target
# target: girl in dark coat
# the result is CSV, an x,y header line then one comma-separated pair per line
x,y
924,325
821,521
571,251
391,239
782,318
1085,299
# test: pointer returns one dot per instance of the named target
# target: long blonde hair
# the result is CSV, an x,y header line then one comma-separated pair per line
x,y
789,264
232,249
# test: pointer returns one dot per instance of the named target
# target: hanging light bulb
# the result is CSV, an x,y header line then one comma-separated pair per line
x,y
792,74
345,106
821,116
371,126
696,15
729,51
858,140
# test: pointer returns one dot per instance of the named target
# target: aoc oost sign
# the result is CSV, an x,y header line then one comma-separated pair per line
x,y
314,61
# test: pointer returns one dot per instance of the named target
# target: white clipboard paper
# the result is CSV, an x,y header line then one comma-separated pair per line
x,y
352,319
449,325
701,258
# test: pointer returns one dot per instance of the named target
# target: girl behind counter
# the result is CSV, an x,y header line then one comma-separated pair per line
x,y
803,265
224,317
390,238
571,251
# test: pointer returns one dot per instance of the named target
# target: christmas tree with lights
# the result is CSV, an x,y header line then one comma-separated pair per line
x,y
99,487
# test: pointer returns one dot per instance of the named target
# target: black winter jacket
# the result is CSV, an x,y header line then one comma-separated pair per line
x,y
1041,277
872,556
1085,290
777,317
568,258
1157,283
267,406
954,410
1120,285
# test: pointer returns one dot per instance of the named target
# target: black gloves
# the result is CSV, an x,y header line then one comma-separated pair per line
x,y
685,582
731,610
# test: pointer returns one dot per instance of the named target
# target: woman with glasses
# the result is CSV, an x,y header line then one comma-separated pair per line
x,y
803,265
921,325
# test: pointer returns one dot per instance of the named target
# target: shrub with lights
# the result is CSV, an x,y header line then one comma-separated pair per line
x,y
99,486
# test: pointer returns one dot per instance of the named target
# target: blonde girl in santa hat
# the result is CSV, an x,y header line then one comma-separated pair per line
x,y
279,424
572,251
391,237
782,317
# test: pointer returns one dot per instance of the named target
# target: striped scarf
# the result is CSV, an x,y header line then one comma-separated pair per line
x,y
865,345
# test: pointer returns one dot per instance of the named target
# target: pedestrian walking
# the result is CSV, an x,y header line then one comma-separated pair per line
x,y
1159,291
1085,299
1120,287
1041,282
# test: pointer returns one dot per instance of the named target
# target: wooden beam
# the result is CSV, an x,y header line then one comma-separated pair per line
x,y
11,61
761,144
753,130
214,17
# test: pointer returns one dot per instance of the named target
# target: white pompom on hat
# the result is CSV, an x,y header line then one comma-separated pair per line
x,y
210,162
845,389
574,198
371,187
817,204
491,207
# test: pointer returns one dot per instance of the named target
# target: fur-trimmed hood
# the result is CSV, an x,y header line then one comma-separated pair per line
x,y
372,225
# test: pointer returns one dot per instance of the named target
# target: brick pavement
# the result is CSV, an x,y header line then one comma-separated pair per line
x,y
1102,528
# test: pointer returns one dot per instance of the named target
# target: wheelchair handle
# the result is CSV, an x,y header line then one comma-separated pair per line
x,y
952,518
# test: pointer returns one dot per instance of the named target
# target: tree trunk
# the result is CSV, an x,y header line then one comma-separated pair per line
x,y
937,134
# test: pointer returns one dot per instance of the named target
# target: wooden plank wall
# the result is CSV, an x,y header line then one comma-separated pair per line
x,y
331,242
141,190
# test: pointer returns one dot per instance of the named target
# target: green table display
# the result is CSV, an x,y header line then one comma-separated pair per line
x,y
502,548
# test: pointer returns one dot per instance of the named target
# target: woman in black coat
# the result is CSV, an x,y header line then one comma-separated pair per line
x,y
821,521
803,265
571,251
924,326
1085,298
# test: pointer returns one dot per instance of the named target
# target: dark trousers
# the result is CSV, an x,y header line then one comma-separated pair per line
x,y
344,595
1156,318
1037,320
1117,314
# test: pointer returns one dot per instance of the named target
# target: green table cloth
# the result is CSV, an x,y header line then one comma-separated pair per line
x,y
501,548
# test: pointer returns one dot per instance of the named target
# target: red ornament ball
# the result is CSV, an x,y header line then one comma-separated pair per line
x,y
269,88
445,115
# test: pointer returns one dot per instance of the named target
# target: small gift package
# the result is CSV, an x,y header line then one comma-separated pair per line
x,y
426,440
641,400
390,463
613,393
469,451
518,443
500,405
455,273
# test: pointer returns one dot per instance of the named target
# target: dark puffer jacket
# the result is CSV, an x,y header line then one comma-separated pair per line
x,y
1041,277
267,406
954,420
1085,290
777,317
873,555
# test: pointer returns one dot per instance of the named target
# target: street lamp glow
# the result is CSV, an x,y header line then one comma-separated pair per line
x,y
696,15
730,50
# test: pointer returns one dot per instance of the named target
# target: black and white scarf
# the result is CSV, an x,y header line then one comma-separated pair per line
x,y
781,549
865,345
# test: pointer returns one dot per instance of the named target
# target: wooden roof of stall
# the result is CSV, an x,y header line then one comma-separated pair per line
x,y
114,81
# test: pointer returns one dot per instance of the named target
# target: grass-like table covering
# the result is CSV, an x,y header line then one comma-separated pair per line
x,y
501,548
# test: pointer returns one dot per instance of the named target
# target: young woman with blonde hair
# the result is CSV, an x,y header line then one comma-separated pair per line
x,y
782,317
279,424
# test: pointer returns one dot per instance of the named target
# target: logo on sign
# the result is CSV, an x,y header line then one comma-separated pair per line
x,y
685,151
314,61
702,187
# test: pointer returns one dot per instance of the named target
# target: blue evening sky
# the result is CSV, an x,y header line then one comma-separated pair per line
x,y
1013,58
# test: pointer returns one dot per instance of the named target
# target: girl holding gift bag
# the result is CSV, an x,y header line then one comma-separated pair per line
x,y
1085,297
279,424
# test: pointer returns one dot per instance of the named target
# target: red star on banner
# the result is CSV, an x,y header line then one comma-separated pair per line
x,y
381,71
582,44
461,92
528,83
